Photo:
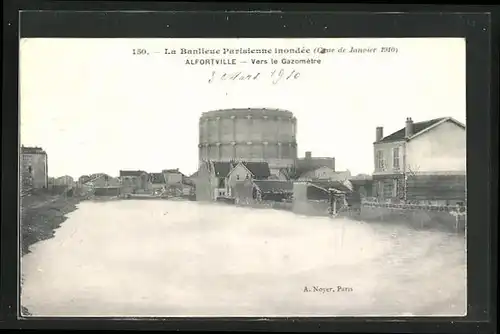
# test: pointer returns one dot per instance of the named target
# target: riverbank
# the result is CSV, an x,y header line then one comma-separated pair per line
x,y
41,214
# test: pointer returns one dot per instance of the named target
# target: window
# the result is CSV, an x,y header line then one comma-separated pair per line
x,y
395,158
380,159
237,176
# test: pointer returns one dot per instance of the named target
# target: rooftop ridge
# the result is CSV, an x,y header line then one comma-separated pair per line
x,y
249,110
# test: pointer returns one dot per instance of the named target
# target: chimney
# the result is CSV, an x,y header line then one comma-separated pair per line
x,y
409,127
333,164
379,133
308,155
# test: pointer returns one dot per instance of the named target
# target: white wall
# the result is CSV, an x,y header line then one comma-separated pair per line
x,y
325,173
387,150
442,149
239,173
173,178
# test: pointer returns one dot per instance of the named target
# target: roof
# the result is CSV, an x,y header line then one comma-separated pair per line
x,y
32,150
222,169
260,170
131,173
172,170
271,186
310,172
96,175
157,178
418,127
243,112
305,165
338,185
64,177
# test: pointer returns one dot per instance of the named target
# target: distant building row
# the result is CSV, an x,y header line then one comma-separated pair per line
x,y
139,181
216,179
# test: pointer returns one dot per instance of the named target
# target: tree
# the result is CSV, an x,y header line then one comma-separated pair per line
x,y
292,173
410,171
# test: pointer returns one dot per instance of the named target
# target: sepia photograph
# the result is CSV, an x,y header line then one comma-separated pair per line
x,y
242,177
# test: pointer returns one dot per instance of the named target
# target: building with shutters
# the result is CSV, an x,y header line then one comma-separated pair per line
x,y
421,162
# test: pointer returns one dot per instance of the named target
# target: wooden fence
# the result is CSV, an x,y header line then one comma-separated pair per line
x,y
436,188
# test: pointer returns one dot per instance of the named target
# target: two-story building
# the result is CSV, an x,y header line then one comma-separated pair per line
x,y
407,159
246,171
133,181
210,180
34,167
65,180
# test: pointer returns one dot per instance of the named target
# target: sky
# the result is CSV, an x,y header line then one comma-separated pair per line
x,y
95,107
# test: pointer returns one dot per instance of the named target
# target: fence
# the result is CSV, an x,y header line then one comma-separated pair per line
x,y
450,218
107,191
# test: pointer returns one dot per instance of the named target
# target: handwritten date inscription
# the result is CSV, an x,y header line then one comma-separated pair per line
x,y
275,76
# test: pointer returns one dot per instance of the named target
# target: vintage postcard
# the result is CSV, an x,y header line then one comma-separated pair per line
x,y
243,177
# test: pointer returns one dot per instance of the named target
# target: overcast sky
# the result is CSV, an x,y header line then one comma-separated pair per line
x,y
96,107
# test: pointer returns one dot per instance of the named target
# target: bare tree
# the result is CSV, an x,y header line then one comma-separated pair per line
x,y
410,171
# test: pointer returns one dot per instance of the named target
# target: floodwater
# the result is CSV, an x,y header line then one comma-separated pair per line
x,y
171,258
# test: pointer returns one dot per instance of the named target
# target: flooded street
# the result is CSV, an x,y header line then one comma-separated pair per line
x,y
167,258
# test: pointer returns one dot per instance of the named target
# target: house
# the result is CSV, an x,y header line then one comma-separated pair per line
x,y
308,168
65,180
323,173
423,161
101,180
83,179
34,167
246,171
211,180
173,176
158,182
133,181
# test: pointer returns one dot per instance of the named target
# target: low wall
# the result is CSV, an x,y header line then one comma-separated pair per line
x,y
287,206
417,216
311,207
107,191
